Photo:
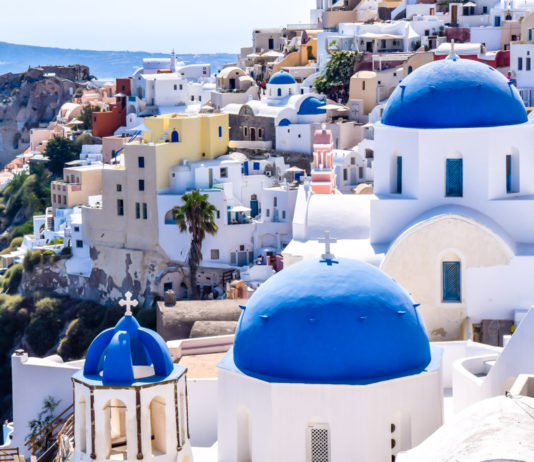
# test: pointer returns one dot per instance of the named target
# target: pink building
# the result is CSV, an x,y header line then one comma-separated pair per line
x,y
323,176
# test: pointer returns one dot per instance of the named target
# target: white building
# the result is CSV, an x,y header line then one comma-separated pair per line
x,y
308,378
130,400
451,218
254,208
164,86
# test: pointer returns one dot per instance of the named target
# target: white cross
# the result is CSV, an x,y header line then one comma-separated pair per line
x,y
128,303
327,240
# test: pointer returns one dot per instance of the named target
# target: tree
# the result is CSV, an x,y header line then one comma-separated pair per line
x,y
44,417
87,116
60,151
339,70
197,216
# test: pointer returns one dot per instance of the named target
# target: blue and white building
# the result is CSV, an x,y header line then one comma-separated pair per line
x,y
330,362
451,218
130,400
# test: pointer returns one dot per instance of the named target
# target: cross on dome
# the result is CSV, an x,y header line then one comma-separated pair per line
x,y
452,53
327,240
128,303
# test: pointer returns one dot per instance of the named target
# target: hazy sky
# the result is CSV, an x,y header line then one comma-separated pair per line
x,y
195,26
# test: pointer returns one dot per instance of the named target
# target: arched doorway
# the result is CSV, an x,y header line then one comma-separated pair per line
x,y
175,138
157,426
115,431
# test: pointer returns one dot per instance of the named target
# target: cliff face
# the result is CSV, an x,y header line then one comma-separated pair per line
x,y
32,98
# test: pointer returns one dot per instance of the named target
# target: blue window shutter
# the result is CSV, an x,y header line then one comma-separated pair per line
x,y
454,181
508,173
452,282
399,175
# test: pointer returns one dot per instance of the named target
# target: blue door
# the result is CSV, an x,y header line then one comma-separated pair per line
x,y
254,208
454,182
245,168
175,138
451,282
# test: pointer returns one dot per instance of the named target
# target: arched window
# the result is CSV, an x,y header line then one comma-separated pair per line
x,y
169,218
157,426
175,137
452,281
410,69
454,178
81,419
512,172
115,429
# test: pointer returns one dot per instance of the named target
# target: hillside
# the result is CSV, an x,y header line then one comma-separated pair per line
x,y
103,64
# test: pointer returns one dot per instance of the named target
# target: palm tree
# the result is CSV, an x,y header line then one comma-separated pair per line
x,y
197,217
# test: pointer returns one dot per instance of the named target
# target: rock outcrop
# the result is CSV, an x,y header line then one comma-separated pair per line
x,y
32,98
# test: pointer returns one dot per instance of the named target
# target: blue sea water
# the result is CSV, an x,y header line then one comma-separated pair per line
x,y
105,65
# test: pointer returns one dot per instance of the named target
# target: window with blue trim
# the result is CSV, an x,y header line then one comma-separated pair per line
x,y
509,173
454,180
452,281
398,186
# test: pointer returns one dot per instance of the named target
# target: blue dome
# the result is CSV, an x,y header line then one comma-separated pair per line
x,y
344,323
454,93
312,106
117,354
282,78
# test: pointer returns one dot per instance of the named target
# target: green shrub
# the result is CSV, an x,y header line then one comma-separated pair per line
x,y
45,325
11,280
76,341
147,317
22,230
16,243
31,259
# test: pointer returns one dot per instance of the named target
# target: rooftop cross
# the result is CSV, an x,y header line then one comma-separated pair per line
x,y
327,240
128,303
452,54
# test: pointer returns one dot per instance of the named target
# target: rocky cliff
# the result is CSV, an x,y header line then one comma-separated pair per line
x,y
32,98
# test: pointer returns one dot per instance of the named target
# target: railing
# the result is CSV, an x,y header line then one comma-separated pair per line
x,y
9,454
49,434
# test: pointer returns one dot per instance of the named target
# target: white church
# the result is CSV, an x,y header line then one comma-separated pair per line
x,y
452,215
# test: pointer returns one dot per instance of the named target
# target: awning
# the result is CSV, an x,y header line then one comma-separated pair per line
x,y
373,36
295,169
240,208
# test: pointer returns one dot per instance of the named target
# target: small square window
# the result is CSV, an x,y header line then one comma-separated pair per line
x,y
79,244
214,254
224,172
242,248
167,286
76,229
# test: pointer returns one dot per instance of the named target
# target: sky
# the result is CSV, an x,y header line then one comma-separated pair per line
x,y
195,26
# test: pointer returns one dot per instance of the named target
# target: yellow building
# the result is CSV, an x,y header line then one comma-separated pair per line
x,y
128,215
78,184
